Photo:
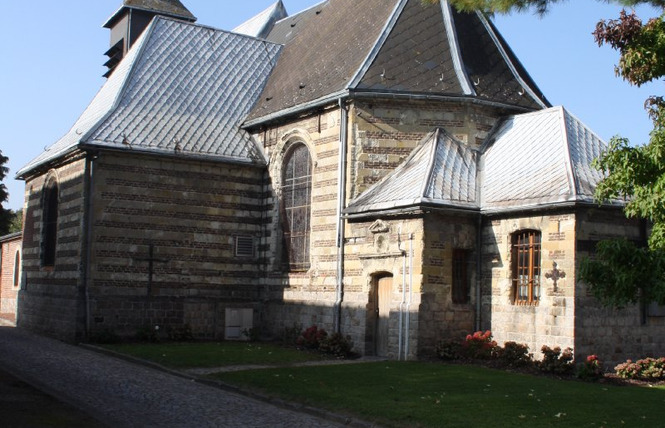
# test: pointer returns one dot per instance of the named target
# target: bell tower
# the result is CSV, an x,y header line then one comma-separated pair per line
x,y
128,22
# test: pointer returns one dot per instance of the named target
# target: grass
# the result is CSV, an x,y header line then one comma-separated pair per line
x,y
417,394
214,354
434,395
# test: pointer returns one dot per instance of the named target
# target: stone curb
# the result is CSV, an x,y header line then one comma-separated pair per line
x,y
333,417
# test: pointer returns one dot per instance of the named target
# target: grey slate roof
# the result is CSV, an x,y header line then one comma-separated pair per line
x,y
171,8
440,171
532,160
182,89
391,46
261,24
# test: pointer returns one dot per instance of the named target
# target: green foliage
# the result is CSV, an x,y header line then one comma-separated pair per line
x,y
180,333
16,222
540,6
624,274
6,215
514,354
336,345
448,350
555,361
478,346
646,369
291,334
311,338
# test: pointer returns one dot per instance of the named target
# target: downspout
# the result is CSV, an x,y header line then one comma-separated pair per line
x,y
86,251
401,304
479,267
408,303
341,197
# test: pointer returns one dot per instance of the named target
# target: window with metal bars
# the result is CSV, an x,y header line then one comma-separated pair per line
x,y
526,255
50,223
296,206
460,290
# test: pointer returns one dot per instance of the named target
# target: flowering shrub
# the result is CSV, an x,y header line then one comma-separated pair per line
x,y
646,368
478,345
337,345
448,349
312,337
591,369
556,361
514,355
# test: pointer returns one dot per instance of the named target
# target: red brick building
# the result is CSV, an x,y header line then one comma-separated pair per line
x,y
10,275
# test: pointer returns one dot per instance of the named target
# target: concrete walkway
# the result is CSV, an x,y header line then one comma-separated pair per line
x,y
124,394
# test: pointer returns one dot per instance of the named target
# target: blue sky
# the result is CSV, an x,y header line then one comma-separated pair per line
x,y
53,54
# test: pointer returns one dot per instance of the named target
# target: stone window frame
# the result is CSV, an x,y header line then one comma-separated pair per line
x,y
18,270
526,263
293,260
49,223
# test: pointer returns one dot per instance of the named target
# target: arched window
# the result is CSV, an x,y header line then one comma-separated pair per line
x,y
17,269
526,267
50,223
296,206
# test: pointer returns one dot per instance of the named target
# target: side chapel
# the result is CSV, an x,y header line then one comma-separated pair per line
x,y
383,168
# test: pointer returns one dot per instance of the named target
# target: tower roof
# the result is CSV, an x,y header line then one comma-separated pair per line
x,y
170,8
392,47
262,24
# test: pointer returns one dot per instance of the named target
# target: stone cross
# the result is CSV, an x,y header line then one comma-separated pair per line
x,y
555,274
151,259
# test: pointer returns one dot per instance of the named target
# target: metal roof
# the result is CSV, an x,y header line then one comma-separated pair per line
x,y
392,46
532,160
261,24
182,89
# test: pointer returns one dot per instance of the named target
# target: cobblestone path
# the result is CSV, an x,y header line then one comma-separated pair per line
x,y
123,394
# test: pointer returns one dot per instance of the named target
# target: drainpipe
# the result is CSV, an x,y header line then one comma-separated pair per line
x,y
401,304
479,267
408,303
341,197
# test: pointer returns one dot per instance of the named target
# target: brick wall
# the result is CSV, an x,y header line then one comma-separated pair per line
x,y
10,277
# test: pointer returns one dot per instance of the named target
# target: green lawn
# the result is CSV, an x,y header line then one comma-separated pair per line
x,y
214,354
439,395
416,394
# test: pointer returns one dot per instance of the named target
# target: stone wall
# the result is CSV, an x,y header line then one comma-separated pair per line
x,y
191,214
10,276
440,317
613,335
551,322
50,300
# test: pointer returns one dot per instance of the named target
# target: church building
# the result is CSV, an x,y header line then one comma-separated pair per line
x,y
386,169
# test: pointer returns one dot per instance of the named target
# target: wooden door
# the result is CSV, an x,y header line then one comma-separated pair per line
x,y
384,289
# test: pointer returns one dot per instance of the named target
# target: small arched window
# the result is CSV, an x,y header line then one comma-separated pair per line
x,y
50,223
526,267
17,269
296,206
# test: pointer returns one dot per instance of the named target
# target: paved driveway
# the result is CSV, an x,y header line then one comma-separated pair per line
x,y
123,394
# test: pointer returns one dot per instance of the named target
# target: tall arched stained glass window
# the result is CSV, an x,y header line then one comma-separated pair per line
x,y
296,206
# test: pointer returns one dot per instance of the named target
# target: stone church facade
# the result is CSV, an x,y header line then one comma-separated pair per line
x,y
405,184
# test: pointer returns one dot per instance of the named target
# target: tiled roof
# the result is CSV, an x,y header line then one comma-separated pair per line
x,y
532,160
392,46
263,23
183,89
441,171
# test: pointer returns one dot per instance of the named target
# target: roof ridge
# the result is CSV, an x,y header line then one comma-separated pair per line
x,y
456,54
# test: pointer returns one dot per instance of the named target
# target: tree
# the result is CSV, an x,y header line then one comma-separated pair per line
x,y
16,223
623,272
5,214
